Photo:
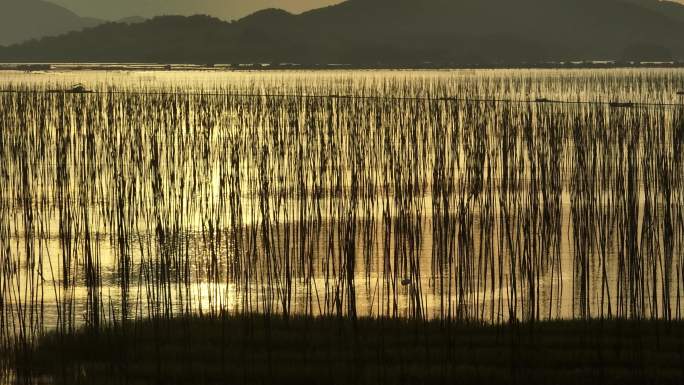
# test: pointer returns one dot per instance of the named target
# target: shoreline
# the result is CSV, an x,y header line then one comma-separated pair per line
x,y
7,66
262,350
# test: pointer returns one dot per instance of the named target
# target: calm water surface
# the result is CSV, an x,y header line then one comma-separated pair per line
x,y
172,193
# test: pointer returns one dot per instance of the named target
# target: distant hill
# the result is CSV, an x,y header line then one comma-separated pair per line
x,y
132,20
22,20
388,33
672,9
222,9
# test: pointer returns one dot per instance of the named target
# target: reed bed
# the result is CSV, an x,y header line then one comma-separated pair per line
x,y
425,196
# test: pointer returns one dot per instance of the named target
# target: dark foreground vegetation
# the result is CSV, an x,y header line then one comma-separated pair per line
x,y
276,350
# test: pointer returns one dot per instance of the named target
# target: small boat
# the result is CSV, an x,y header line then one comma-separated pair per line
x,y
542,100
78,89
75,89
680,93
406,282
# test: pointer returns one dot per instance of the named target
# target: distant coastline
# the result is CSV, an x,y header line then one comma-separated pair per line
x,y
56,66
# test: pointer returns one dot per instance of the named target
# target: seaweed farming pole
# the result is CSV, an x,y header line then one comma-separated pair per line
x,y
163,204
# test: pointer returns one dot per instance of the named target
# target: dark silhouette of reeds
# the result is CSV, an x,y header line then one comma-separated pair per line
x,y
124,206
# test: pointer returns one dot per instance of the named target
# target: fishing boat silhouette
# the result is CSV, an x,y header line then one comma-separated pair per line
x,y
74,89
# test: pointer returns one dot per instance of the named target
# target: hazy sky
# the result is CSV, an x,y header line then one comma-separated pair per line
x,y
225,9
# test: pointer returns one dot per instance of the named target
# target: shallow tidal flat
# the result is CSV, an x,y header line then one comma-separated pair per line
x,y
425,198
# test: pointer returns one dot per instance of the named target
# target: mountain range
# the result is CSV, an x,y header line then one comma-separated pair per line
x,y
223,9
387,33
23,20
